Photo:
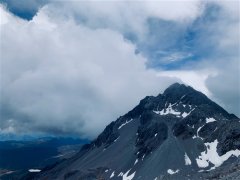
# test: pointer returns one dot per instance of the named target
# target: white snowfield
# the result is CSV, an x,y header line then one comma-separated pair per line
x,y
208,120
34,170
211,155
187,160
125,123
170,171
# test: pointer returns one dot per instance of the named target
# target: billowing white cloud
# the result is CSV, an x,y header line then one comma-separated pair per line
x,y
66,78
217,74
224,35
225,87
128,16
71,69
195,78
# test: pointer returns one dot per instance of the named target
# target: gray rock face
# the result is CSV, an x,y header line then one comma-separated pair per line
x,y
180,134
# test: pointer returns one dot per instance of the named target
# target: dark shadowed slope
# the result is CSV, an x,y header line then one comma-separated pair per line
x,y
180,134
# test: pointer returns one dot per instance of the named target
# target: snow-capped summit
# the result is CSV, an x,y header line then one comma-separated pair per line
x,y
180,134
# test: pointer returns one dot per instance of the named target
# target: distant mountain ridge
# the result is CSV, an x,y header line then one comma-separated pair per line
x,y
180,134
22,155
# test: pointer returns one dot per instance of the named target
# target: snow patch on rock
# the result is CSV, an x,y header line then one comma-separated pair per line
x,y
211,155
168,110
130,177
116,139
125,123
170,171
112,175
185,114
187,160
34,170
199,130
208,120
120,174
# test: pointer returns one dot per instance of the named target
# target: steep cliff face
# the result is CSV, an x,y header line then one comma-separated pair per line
x,y
180,134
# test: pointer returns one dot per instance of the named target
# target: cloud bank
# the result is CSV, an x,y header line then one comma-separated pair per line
x,y
75,67
67,78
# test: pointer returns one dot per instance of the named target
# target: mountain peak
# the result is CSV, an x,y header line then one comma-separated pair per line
x,y
181,92
178,132
177,87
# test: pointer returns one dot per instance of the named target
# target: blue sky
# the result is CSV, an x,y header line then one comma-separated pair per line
x,y
109,56
182,45
180,49
25,9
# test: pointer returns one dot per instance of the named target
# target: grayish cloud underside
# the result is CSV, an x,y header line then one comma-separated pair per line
x,y
74,67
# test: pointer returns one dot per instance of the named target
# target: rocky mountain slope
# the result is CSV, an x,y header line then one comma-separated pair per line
x,y
180,134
